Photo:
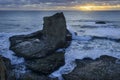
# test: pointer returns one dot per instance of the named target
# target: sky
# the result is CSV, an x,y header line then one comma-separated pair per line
x,y
85,5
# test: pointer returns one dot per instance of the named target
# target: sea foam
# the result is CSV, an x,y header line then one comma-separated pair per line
x,y
82,47
17,62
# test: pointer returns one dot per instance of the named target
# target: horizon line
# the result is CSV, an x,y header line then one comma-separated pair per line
x,y
51,10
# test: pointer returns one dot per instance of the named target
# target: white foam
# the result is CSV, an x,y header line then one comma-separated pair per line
x,y
76,37
5,44
113,33
4,49
82,47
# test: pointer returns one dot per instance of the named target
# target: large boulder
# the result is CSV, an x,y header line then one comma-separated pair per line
x,y
48,64
103,68
42,43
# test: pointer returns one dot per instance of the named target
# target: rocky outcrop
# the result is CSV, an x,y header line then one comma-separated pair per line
x,y
48,64
44,42
55,29
21,38
103,68
5,68
39,48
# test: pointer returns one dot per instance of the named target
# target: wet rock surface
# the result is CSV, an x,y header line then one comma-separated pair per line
x,y
103,68
34,76
41,43
48,64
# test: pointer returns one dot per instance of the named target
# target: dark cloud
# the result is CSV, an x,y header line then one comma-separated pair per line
x,y
44,3
52,1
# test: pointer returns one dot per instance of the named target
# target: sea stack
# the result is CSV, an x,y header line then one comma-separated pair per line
x,y
44,42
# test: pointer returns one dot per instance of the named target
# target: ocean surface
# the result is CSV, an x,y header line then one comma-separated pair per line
x,y
92,40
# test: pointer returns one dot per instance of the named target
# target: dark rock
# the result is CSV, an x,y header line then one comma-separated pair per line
x,y
55,29
48,64
5,68
32,76
42,43
68,36
100,22
106,38
104,68
20,38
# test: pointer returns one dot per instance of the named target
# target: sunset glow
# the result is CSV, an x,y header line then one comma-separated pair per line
x,y
96,8
80,5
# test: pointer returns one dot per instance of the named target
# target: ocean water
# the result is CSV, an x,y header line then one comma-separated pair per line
x,y
82,23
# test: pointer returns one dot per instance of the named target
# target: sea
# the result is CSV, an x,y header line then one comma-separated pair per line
x,y
88,38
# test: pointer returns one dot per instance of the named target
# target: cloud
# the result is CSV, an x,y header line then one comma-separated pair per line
x,y
52,3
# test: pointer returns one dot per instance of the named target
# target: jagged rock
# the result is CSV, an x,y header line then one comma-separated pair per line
x,y
55,29
103,68
48,64
42,43
5,68
21,38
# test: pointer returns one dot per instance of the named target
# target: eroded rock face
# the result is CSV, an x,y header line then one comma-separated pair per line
x,y
55,29
42,43
48,64
103,68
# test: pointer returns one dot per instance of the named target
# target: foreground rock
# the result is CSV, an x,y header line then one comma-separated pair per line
x,y
42,43
103,68
5,68
34,76
48,64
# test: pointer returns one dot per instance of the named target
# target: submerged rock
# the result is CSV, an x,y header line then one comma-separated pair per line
x,y
100,22
48,64
42,43
103,68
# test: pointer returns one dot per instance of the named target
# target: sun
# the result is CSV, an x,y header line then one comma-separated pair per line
x,y
86,8
93,7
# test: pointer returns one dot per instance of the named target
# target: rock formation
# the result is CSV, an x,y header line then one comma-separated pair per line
x,y
39,48
44,42
103,68
5,68
34,76
100,22
48,64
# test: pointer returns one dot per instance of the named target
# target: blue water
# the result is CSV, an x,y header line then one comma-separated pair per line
x,y
23,21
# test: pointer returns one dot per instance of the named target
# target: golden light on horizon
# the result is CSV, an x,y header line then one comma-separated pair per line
x,y
93,7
